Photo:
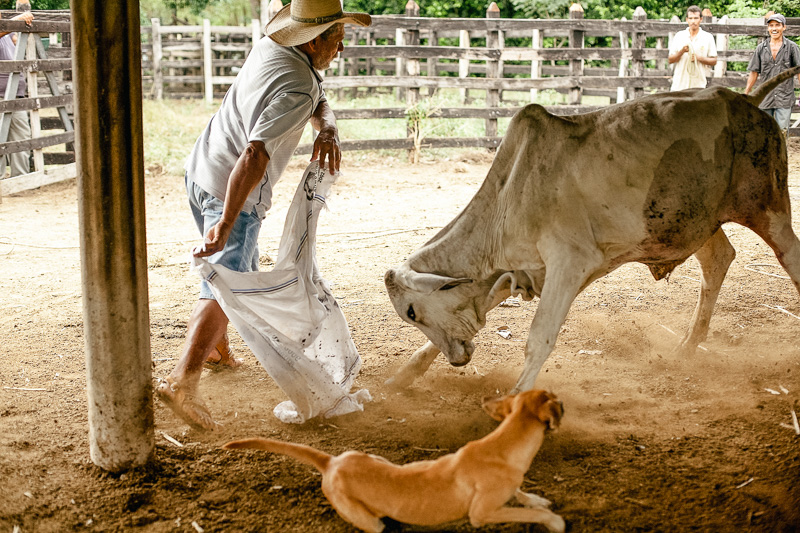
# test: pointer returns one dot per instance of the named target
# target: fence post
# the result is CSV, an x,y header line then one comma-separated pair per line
x,y
463,64
536,65
575,42
623,63
721,68
661,64
256,27
399,64
492,70
638,44
207,68
412,64
158,75
432,62
33,93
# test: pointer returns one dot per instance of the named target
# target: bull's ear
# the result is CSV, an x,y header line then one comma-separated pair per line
x,y
428,283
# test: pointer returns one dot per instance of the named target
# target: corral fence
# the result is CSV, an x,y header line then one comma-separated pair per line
x,y
43,57
497,65
500,64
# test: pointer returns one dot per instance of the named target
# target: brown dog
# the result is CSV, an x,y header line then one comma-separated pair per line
x,y
474,482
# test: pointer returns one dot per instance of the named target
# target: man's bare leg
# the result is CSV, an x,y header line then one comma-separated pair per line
x,y
207,325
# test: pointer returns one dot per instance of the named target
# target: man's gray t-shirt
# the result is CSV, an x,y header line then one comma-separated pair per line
x,y
271,100
762,62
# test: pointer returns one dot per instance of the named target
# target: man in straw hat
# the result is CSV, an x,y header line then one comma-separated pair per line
x,y
237,160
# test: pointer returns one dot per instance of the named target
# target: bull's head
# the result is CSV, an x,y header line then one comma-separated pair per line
x,y
449,311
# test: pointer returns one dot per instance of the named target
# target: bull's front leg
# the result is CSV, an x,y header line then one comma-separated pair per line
x,y
416,366
562,283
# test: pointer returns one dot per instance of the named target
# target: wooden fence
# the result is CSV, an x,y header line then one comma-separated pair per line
x,y
503,63
46,63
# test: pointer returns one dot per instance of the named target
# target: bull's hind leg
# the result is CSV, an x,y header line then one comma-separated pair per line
x,y
784,243
715,256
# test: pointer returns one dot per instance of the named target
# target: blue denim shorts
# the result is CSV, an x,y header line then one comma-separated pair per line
x,y
241,249
782,116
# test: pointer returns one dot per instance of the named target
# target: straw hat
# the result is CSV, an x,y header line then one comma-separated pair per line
x,y
302,20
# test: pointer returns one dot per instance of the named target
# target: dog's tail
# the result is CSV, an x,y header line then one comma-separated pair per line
x,y
305,454
761,92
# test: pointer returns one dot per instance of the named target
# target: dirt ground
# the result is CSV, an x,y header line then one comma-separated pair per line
x,y
649,442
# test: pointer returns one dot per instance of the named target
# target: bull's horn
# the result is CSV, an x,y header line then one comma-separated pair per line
x,y
427,283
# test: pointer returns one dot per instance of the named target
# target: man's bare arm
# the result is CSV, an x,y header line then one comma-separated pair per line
x,y
326,145
248,172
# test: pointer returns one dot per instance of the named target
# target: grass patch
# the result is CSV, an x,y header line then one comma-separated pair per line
x,y
171,127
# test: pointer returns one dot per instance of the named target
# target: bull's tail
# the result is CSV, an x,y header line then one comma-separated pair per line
x,y
761,92
305,454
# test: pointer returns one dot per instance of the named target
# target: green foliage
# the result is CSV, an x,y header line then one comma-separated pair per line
x,y
37,4
789,8
219,12
431,8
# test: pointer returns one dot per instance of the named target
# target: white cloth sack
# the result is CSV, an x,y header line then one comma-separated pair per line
x,y
289,318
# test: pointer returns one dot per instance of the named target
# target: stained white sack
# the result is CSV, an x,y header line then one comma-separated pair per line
x,y
289,318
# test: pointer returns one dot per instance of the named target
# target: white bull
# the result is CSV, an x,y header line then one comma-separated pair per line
x,y
569,199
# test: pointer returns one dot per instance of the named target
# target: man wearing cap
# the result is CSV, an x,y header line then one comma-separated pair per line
x,y
237,160
693,52
770,58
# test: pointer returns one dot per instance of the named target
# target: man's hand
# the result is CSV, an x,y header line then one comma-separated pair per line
x,y
216,238
685,49
326,148
27,17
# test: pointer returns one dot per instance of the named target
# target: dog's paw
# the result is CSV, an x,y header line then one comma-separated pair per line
x,y
532,500
556,524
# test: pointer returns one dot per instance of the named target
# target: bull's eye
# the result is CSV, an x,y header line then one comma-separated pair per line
x,y
411,314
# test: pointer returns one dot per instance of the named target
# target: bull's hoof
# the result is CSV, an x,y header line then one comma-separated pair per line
x,y
401,380
684,350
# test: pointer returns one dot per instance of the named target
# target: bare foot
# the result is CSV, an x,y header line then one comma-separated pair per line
x,y
185,404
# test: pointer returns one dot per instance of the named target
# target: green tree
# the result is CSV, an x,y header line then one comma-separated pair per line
x,y
37,4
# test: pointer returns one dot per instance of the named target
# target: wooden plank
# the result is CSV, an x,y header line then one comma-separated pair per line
x,y
181,29
25,104
230,47
208,84
37,26
33,92
35,180
36,144
59,158
421,52
36,65
506,84
158,55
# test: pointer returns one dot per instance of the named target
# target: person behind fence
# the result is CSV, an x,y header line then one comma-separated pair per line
x,y
237,160
20,128
693,52
770,58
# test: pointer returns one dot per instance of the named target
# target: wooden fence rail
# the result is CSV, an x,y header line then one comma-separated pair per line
x,y
46,65
493,58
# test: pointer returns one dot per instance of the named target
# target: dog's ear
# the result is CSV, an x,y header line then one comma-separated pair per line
x,y
497,408
550,412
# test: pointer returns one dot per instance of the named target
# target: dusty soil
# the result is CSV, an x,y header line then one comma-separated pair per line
x,y
650,442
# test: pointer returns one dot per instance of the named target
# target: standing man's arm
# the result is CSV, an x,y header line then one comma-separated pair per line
x,y
754,66
673,58
248,172
27,17
751,80
326,145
